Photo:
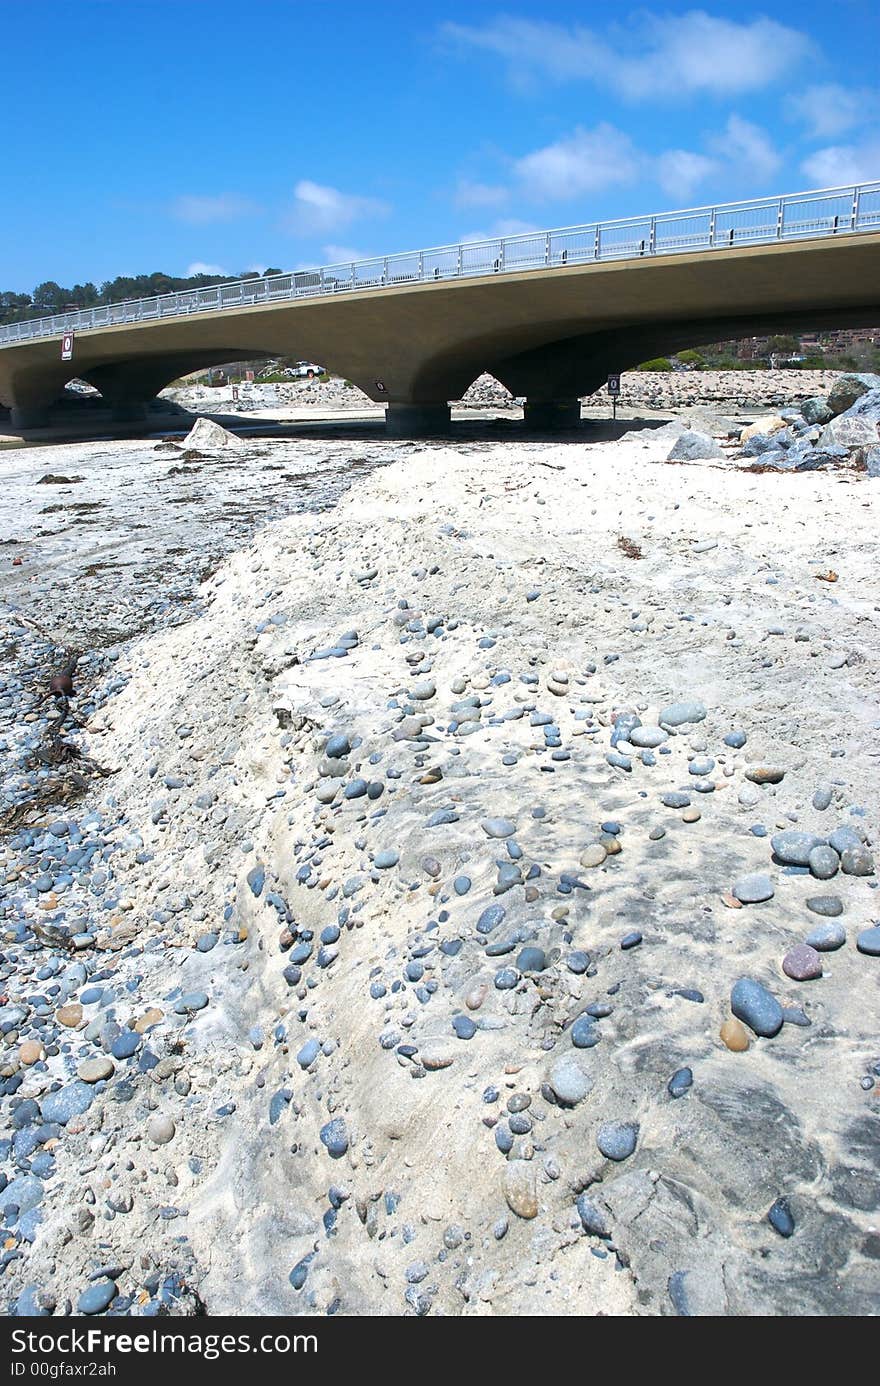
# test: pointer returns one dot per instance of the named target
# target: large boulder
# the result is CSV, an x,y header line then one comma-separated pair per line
x,y
763,442
693,447
770,423
859,426
208,436
848,389
872,461
816,410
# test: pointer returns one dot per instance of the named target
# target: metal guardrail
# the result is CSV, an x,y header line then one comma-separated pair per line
x,y
796,216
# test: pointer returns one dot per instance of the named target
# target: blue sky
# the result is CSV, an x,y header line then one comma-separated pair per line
x,y
173,134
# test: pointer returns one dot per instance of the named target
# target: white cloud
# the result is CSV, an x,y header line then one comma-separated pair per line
x,y
829,109
317,208
586,161
336,254
469,194
202,211
653,56
506,226
681,171
840,164
748,148
199,267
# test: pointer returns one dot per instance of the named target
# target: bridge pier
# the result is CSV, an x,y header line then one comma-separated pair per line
x,y
128,410
417,420
551,415
27,416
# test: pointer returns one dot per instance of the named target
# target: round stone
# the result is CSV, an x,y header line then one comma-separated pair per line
x,y
678,714
498,827
802,963
824,863
521,1188
753,889
825,938
735,1035
765,774
828,905
464,1027
756,1007
868,941
584,1032
647,738
594,855
334,1137
680,1082
593,1220
857,861
531,960
125,1044
94,1070
385,859
701,765
568,1080
794,847
780,1218
150,1017
70,1014
30,1052
617,1139
97,1297
691,815
161,1129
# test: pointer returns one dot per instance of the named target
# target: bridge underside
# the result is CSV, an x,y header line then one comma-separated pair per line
x,y
550,336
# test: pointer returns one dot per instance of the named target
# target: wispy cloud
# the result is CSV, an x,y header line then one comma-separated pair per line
x,y
671,56
200,267
318,209
506,226
470,194
587,161
839,164
829,109
681,171
203,211
747,148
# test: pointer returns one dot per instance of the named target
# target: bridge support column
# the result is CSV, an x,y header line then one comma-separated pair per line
x,y
551,415
417,420
128,410
29,416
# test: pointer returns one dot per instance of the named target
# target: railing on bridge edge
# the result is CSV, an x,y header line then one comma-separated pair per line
x,y
796,216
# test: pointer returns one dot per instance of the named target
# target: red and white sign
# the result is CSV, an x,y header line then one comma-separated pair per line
x,y
67,346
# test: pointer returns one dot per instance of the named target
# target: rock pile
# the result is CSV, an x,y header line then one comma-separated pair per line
x,y
842,429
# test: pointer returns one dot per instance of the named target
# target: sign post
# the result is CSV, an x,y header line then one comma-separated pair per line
x,y
67,346
614,391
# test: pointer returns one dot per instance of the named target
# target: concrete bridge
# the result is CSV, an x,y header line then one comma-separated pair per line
x,y
550,314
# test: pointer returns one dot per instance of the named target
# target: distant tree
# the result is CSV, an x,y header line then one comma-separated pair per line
x,y
784,346
50,297
660,363
691,358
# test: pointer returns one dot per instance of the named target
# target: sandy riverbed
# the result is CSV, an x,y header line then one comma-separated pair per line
x,y
418,1157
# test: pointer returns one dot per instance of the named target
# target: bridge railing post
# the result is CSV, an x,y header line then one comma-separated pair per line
x,y
854,214
652,237
712,219
597,243
547,249
780,218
